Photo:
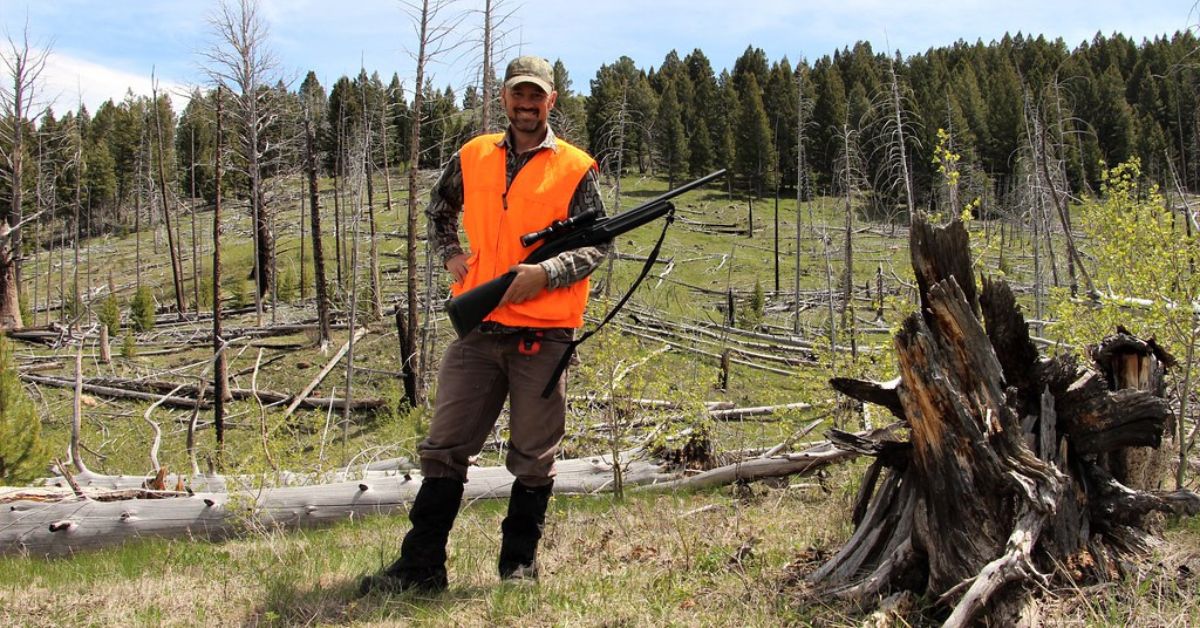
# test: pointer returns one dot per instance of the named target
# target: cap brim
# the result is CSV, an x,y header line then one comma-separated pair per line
x,y
525,78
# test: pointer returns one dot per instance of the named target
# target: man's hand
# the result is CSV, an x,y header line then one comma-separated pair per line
x,y
457,266
531,280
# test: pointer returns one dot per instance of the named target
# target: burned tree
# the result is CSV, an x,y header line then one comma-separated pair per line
x,y
1004,478
241,63
24,67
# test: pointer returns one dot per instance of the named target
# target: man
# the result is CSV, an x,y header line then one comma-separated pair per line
x,y
504,186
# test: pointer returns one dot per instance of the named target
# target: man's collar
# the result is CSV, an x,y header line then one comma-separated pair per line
x,y
550,140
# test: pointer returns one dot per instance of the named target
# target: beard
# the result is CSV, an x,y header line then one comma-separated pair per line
x,y
526,121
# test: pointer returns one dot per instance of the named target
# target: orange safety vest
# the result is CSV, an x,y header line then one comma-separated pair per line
x,y
495,218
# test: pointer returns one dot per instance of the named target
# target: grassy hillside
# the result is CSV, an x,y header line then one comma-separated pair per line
x,y
721,557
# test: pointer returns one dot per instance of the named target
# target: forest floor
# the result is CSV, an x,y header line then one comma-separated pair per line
x,y
729,556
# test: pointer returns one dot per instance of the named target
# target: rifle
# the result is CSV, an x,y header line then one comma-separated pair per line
x,y
468,309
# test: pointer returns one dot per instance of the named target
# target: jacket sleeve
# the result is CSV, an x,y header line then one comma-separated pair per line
x,y
569,267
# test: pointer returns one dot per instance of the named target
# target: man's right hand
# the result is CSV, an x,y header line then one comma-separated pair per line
x,y
457,266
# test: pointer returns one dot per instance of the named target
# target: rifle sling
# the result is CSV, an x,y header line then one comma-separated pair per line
x,y
653,257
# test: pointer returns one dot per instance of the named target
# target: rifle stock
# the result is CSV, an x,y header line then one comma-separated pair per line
x,y
469,309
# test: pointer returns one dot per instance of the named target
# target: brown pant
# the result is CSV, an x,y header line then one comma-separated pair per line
x,y
478,372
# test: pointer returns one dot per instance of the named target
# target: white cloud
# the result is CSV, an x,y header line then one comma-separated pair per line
x,y
67,80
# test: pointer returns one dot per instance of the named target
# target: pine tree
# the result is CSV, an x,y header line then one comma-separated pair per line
x,y
23,457
670,139
754,157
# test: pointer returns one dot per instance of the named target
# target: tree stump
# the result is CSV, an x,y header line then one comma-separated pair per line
x,y
1003,480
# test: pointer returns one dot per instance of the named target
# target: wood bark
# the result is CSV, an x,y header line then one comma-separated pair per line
x,y
53,521
220,362
314,201
176,263
1000,480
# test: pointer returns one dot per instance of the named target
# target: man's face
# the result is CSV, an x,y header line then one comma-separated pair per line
x,y
527,106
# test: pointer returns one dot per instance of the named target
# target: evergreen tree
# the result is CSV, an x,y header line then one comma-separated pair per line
x,y
195,140
753,62
829,114
781,99
670,140
569,116
399,118
1113,117
705,95
755,155
23,457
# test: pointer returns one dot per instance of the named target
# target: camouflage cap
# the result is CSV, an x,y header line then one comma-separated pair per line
x,y
529,69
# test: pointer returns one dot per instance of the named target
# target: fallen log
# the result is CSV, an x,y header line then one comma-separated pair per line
x,y
53,521
188,394
116,393
1003,477
31,524
316,381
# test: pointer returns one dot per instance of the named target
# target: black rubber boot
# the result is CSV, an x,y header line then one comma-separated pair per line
x,y
522,530
422,562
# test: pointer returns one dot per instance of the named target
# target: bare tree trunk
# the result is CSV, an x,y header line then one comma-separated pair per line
x,y
373,251
301,221
246,61
77,411
485,109
848,243
137,215
77,208
387,170
24,68
314,204
412,360
337,213
220,367
900,147
176,265
105,350
192,204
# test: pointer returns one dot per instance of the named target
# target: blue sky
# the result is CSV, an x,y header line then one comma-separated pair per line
x,y
102,48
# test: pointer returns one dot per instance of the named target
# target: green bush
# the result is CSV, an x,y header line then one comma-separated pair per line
x,y
26,311
286,285
206,292
141,309
752,314
128,347
72,306
109,314
23,457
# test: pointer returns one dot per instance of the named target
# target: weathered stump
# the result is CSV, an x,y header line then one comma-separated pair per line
x,y
1003,479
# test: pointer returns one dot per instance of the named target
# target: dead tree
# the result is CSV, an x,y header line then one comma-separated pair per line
x,y
220,363
434,29
318,251
1002,482
24,67
176,263
241,61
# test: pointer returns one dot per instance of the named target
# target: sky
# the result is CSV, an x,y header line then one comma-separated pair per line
x,y
102,49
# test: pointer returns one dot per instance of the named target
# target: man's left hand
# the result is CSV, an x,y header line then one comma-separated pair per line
x,y
531,280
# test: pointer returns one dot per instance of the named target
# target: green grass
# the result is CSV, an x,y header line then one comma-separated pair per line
x,y
650,560
644,561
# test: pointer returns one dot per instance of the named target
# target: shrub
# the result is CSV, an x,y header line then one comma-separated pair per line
x,y
128,347
22,454
109,314
141,309
286,285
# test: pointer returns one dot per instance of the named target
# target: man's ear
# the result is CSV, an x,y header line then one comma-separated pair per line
x,y
552,99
